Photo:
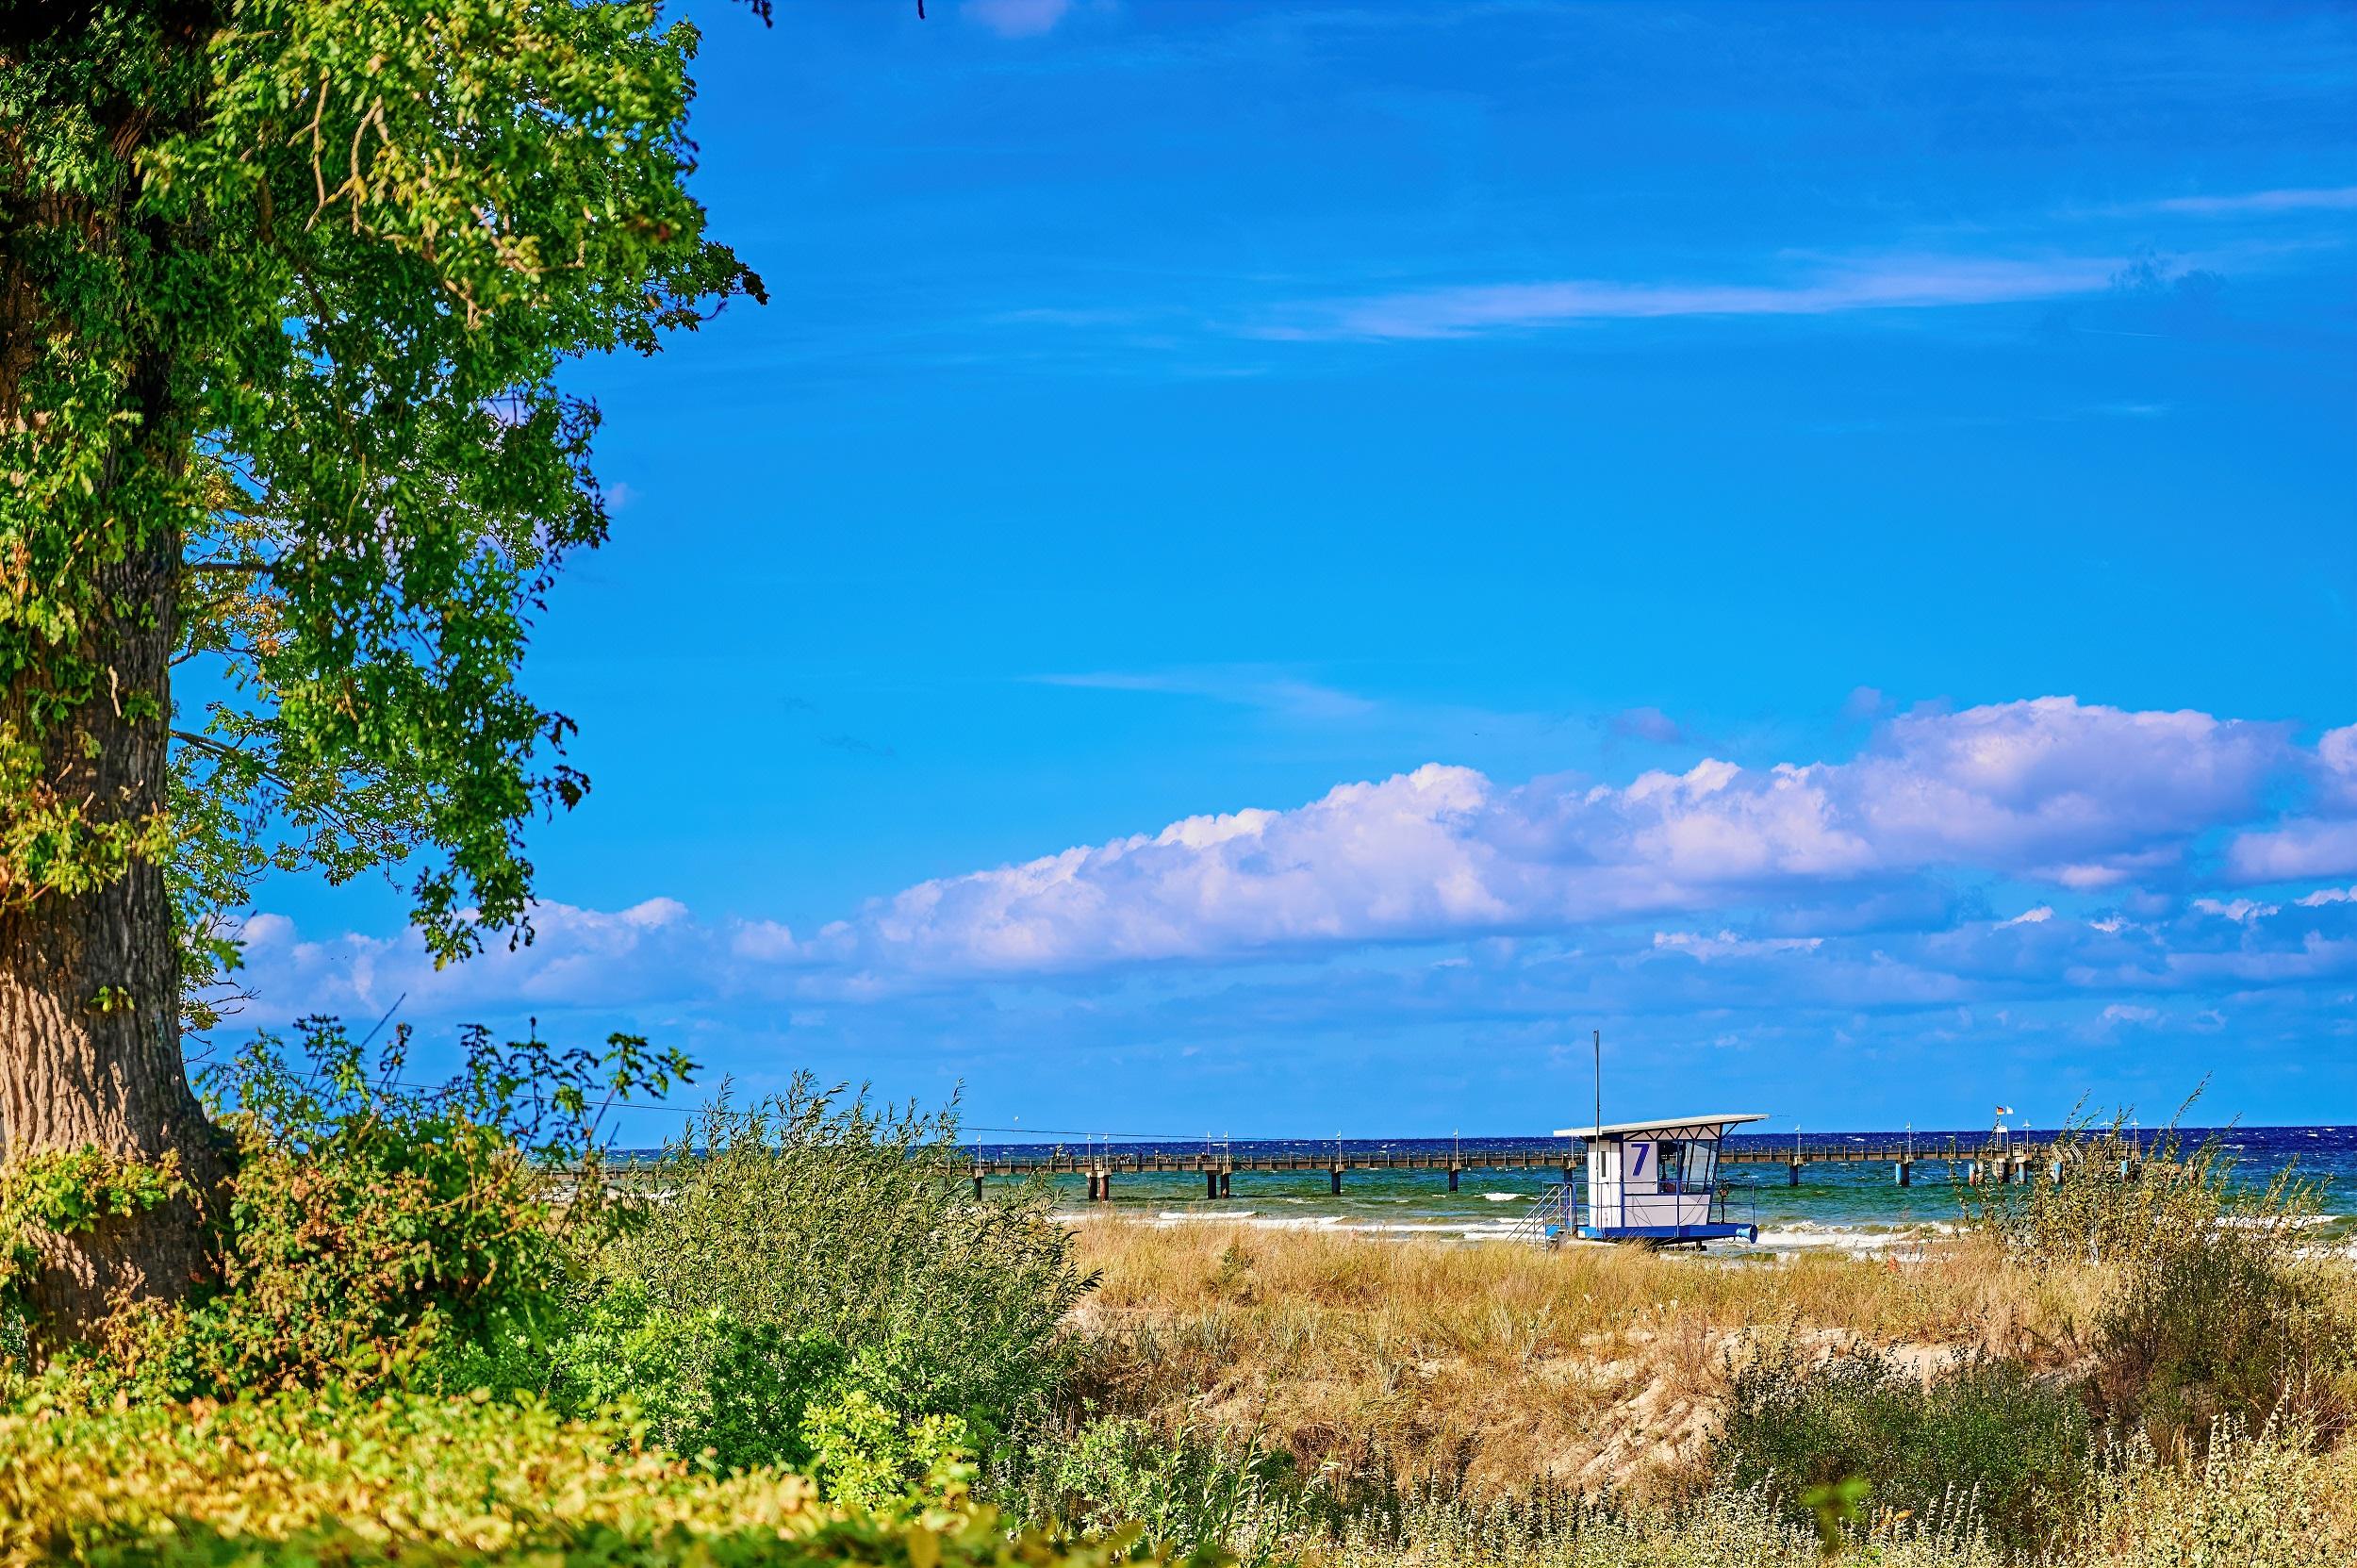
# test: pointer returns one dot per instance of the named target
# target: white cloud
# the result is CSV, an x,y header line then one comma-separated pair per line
x,y
1721,887
2240,910
2323,844
1018,17
1881,283
1648,723
2050,790
2296,852
1728,944
577,958
2338,198
2336,766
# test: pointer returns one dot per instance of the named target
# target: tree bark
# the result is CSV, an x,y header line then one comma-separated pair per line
x,y
90,1001
89,980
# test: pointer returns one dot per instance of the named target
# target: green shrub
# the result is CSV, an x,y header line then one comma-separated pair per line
x,y
811,1215
2271,1500
367,1223
1188,1489
1439,1525
403,1478
2233,1323
696,1383
2213,1308
1984,1436
861,1453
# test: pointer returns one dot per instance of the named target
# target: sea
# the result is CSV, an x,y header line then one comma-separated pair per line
x,y
1855,1208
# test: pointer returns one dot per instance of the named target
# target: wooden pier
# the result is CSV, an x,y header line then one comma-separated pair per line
x,y
1972,1165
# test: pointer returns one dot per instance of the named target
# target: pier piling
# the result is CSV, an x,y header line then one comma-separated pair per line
x,y
1976,1167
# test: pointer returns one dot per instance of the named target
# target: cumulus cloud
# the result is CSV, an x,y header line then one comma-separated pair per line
x,y
2080,796
2336,766
651,952
2296,852
2321,842
1755,895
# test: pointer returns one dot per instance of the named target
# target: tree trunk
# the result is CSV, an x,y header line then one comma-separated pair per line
x,y
90,997
89,980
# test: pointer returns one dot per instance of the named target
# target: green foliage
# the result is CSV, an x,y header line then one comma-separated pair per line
x,y
1983,1434
815,1214
2214,1307
697,1383
2127,1199
418,1480
1187,1489
2232,1321
367,1222
2267,1500
295,283
68,1192
862,1454
1837,1505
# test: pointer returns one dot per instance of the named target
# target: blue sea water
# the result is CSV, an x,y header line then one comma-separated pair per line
x,y
1849,1206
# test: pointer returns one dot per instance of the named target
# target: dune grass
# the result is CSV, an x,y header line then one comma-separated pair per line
x,y
1391,1358
1470,1405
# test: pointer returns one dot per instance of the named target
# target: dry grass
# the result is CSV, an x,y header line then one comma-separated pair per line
x,y
1501,1363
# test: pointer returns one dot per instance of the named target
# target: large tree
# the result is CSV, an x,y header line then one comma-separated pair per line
x,y
285,290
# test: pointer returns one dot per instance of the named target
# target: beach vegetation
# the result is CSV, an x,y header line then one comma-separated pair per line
x,y
797,1332
821,1213
2214,1301
1979,1437
315,1476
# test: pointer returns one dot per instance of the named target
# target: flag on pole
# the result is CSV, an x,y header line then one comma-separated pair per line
x,y
2004,1110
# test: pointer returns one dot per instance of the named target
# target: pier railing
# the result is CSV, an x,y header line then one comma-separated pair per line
x,y
1969,1162
1972,1163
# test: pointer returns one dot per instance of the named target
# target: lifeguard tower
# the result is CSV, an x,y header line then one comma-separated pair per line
x,y
1655,1182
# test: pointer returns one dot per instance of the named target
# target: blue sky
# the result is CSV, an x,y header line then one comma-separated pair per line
x,y
1819,540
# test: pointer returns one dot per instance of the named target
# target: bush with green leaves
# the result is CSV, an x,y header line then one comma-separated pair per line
x,y
696,1383
1984,1436
1188,1489
2215,1307
325,1476
817,1215
368,1223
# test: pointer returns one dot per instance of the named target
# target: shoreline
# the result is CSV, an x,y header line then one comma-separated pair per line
x,y
1794,1238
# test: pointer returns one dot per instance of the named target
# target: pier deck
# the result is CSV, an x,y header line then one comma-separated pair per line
x,y
1973,1163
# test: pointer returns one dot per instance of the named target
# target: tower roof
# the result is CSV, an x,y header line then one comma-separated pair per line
x,y
1708,1126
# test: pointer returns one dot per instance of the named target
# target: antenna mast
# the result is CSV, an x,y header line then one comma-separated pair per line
x,y
1600,1082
